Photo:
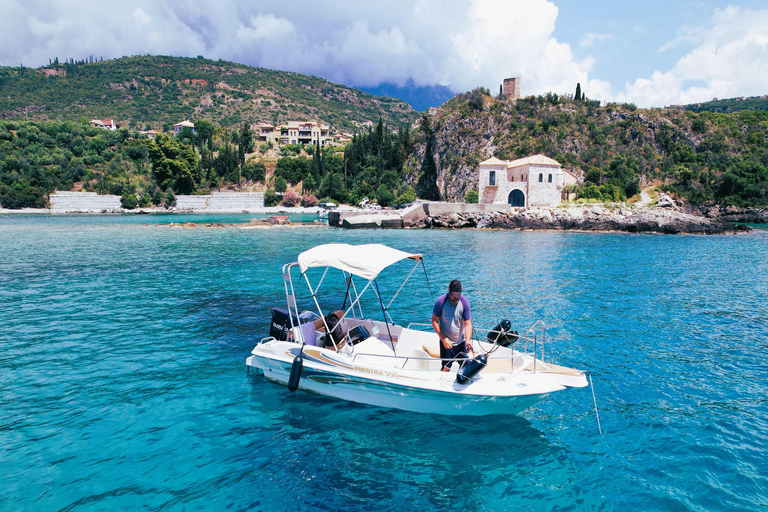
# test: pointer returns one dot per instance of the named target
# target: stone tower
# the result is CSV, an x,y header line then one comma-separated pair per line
x,y
511,88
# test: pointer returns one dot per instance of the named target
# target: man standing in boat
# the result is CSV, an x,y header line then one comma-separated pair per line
x,y
452,321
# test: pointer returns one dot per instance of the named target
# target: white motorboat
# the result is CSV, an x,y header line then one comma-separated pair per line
x,y
380,363
325,209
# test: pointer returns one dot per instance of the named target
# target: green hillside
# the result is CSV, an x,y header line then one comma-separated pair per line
x,y
156,92
730,105
617,149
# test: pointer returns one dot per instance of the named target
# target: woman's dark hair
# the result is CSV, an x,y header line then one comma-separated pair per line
x,y
332,321
454,286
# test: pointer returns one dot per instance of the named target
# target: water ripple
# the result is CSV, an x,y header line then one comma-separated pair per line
x,y
123,382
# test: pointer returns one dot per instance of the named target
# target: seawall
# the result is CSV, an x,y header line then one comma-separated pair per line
x,y
91,202
84,202
229,201
412,216
579,218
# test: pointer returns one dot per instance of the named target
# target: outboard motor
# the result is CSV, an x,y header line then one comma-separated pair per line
x,y
471,368
503,334
281,322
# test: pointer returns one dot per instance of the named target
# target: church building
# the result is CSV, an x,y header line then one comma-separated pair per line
x,y
527,182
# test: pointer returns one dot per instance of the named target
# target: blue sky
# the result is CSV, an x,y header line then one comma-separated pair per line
x,y
631,40
651,53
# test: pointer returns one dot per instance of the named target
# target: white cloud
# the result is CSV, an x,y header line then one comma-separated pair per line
x,y
460,43
591,38
729,58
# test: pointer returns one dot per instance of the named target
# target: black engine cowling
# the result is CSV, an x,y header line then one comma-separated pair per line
x,y
281,322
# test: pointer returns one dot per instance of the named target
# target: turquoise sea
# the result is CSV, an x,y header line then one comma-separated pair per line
x,y
123,383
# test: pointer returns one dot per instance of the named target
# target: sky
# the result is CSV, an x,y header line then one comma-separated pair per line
x,y
652,53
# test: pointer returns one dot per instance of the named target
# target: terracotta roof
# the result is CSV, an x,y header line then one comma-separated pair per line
x,y
533,160
494,161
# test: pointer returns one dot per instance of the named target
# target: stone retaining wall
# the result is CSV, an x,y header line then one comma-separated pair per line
x,y
192,202
91,202
221,201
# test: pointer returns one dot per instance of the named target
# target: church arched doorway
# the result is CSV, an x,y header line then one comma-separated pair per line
x,y
516,198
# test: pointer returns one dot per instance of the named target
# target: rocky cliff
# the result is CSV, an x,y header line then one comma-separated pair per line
x,y
701,157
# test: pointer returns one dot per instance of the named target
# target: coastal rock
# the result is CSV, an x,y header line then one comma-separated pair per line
x,y
666,201
735,214
596,218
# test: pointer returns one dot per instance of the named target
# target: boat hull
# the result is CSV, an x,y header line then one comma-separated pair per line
x,y
441,395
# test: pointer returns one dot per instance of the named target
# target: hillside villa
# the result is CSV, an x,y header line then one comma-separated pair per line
x,y
105,124
292,132
184,124
533,181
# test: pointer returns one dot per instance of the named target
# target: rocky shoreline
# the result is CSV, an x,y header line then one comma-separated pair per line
x,y
600,218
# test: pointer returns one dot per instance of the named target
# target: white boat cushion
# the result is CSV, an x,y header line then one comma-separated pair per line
x,y
368,350
306,333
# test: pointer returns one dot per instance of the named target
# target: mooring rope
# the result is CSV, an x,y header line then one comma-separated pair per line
x,y
599,428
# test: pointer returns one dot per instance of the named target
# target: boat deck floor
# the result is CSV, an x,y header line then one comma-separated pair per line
x,y
504,365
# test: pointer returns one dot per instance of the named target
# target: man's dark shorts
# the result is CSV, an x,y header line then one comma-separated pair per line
x,y
458,352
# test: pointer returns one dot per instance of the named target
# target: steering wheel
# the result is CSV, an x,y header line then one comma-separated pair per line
x,y
348,348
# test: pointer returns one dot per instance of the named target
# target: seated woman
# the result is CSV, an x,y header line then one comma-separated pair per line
x,y
308,331
335,339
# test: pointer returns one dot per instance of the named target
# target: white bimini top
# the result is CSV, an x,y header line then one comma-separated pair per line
x,y
365,261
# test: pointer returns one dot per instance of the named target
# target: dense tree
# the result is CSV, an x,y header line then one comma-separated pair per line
x,y
427,182
205,130
255,171
280,184
174,165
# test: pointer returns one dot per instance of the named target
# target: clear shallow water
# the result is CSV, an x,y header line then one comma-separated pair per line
x,y
123,381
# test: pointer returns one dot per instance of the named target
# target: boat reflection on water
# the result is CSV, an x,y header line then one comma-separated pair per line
x,y
362,452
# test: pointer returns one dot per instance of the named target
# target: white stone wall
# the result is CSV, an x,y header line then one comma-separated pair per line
x,y
544,193
221,201
64,202
524,178
502,196
236,200
192,202
490,195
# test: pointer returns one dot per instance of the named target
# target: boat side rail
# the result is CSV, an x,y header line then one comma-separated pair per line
x,y
534,335
420,324
266,339
406,359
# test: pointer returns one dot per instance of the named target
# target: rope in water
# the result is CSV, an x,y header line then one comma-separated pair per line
x,y
595,401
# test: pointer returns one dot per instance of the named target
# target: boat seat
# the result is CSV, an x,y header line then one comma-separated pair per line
x,y
424,340
421,360
368,350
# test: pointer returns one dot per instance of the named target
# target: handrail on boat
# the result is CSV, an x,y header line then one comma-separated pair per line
x,y
528,335
409,358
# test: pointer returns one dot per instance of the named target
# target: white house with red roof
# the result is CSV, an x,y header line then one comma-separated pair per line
x,y
533,181
105,124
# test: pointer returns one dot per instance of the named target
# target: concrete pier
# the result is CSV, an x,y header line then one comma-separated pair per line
x,y
408,217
